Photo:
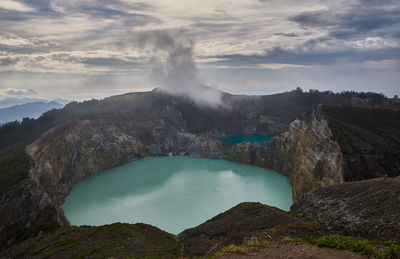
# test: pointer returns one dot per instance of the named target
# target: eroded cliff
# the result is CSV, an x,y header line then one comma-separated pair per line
x,y
369,208
306,153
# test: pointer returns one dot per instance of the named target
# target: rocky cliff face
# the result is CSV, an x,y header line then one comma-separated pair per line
x,y
369,208
306,153
27,210
369,140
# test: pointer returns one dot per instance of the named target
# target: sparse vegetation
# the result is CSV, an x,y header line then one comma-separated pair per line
x,y
62,244
91,252
347,243
230,249
368,138
259,244
392,252
368,247
123,240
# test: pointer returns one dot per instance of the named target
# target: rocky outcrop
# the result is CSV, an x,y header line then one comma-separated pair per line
x,y
26,211
306,153
243,218
369,208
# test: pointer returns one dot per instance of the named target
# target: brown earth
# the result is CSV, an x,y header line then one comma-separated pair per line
x,y
296,250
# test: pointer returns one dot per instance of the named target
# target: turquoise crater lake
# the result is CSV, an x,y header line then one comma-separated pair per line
x,y
248,138
172,193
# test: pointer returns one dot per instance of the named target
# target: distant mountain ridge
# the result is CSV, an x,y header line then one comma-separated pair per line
x,y
12,101
30,110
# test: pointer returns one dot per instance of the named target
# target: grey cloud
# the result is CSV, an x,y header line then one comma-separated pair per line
x,y
8,61
312,19
102,8
29,43
9,15
42,6
112,63
13,91
365,18
282,56
287,34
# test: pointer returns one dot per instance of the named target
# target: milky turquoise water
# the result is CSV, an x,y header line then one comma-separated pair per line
x,y
248,138
172,193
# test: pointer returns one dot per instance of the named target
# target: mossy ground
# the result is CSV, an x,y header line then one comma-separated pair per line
x,y
379,249
115,240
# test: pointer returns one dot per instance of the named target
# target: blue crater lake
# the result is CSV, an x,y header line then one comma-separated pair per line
x,y
248,138
172,193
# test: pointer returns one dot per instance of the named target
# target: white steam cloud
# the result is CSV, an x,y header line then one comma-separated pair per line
x,y
173,68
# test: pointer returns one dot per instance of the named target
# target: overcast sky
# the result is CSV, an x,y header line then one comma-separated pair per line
x,y
82,49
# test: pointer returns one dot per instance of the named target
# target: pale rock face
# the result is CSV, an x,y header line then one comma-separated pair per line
x,y
305,153
310,158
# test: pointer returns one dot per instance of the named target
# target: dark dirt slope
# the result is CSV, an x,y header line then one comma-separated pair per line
x,y
295,250
369,208
250,230
116,240
241,219
235,226
369,140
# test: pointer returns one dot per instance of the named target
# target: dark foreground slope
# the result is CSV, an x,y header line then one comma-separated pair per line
x,y
140,240
249,230
369,140
122,240
369,208
233,225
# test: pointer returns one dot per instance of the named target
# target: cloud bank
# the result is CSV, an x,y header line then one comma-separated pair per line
x,y
242,46
16,92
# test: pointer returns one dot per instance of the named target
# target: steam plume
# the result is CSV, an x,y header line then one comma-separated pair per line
x,y
173,67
